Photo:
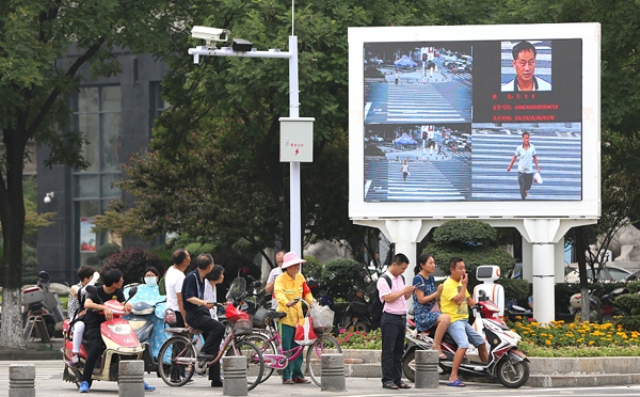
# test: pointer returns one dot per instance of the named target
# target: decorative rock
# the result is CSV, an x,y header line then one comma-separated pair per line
x,y
332,366
235,376
22,380
131,378
427,369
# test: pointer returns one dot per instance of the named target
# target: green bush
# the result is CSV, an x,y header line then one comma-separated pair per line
x,y
464,232
629,302
634,287
629,323
517,289
107,249
473,257
341,275
373,73
373,150
312,270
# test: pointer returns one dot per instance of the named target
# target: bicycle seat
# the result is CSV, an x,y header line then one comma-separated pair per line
x,y
177,330
277,315
195,331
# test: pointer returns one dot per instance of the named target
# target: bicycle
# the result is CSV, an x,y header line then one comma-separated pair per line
x,y
276,358
178,355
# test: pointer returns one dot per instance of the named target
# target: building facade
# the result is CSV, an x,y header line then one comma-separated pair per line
x,y
116,114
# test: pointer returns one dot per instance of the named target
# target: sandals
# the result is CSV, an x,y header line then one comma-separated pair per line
x,y
403,385
456,383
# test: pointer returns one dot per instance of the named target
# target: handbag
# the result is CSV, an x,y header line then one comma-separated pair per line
x,y
304,335
322,317
436,306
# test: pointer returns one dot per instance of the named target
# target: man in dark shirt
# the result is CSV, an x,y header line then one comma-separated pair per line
x,y
111,290
199,317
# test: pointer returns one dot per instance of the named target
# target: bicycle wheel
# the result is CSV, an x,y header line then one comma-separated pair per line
x,y
255,362
266,346
325,344
176,361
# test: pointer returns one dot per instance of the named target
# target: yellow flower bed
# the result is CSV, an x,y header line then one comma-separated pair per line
x,y
558,335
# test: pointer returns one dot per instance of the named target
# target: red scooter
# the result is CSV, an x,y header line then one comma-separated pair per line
x,y
119,338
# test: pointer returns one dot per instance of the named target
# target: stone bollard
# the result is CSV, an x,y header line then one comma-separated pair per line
x,y
131,378
427,369
332,366
234,369
22,380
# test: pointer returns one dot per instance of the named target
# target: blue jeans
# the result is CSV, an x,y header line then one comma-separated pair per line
x,y
462,333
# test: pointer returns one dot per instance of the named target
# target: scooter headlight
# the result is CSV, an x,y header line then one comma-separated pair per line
x,y
120,329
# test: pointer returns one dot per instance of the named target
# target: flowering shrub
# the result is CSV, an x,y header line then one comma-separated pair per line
x,y
576,339
371,340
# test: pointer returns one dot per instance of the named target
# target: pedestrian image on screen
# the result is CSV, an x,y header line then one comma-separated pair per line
x,y
397,76
524,62
527,156
405,170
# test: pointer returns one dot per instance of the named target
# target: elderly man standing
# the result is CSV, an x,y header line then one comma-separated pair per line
x,y
275,272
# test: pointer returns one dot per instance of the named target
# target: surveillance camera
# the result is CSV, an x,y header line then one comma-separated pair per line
x,y
210,35
47,199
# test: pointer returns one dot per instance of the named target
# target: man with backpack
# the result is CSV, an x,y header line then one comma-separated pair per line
x,y
392,293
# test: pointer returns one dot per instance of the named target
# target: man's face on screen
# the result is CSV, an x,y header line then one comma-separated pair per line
x,y
525,65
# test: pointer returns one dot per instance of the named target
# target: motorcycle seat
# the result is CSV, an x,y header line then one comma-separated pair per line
x,y
276,315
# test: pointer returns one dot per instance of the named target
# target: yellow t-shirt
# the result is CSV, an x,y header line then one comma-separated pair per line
x,y
447,306
287,289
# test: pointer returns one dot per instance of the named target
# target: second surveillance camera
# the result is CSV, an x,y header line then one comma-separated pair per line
x,y
210,35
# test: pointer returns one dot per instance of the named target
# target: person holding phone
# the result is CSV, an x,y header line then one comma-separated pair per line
x,y
425,298
455,301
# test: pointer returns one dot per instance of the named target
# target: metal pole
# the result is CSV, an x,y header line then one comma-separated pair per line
x,y
294,167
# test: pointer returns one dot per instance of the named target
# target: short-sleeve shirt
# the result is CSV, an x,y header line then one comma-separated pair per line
x,y
275,272
397,306
447,306
173,285
92,316
192,287
525,158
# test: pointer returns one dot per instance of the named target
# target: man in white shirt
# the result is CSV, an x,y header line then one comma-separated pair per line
x,y
173,285
524,62
527,156
275,272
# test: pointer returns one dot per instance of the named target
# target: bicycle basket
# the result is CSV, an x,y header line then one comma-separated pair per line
x,y
170,318
242,327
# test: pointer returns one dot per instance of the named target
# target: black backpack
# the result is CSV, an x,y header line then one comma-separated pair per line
x,y
375,304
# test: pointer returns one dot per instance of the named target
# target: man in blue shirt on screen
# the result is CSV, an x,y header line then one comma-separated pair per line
x,y
526,155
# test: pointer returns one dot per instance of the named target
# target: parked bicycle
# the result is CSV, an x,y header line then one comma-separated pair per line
x,y
178,354
269,343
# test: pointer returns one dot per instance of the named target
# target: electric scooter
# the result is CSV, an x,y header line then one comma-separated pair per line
x,y
119,338
506,362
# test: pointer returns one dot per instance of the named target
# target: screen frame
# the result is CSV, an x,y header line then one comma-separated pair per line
x,y
590,205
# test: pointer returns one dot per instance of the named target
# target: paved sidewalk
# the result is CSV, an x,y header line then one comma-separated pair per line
x,y
49,383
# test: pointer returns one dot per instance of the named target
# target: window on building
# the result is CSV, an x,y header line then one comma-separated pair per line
x,y
156,103
96,113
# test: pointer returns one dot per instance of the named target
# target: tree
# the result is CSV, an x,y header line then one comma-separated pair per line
x,y
35,79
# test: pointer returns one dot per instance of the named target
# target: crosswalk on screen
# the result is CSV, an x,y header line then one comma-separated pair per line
x,y
496,120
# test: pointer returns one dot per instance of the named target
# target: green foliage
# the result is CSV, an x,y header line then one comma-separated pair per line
x,y
312,270
472,256
464,232
132,263
107,249
608,351
373,72
341,275
373,150
517,289
29,265
630,303
629,323
634,287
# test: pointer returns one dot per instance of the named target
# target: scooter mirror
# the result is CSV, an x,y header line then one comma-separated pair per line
x,y
91,289
132,292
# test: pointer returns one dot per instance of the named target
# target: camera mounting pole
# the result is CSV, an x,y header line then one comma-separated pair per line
x,y
294,113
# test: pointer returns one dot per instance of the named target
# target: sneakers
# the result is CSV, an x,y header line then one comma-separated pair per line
x,y
148,387
74,361
84,387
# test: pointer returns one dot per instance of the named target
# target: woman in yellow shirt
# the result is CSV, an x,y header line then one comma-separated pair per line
x,y
291,285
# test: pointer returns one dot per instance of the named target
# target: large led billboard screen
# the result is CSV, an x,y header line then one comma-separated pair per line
x,y
475,121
